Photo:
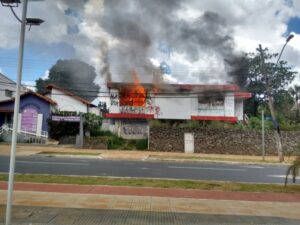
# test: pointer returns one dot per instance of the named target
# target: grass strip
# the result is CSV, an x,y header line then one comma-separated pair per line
x,y
69,153
161,183
199,158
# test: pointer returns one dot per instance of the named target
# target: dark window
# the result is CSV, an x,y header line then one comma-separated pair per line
x,y
8,93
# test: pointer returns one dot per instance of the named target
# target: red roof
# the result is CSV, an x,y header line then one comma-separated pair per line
x,y
45,98
244,95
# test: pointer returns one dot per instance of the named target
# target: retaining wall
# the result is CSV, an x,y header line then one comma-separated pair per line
x,y
221,141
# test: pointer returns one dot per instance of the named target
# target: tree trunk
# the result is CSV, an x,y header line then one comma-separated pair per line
x,y
277,133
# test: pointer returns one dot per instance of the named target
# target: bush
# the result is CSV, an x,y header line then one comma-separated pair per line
x,y
92,122
158,123
255,123
115,142
101,133
189,124
142,144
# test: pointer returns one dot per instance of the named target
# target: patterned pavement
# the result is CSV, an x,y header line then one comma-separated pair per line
x,y
28,215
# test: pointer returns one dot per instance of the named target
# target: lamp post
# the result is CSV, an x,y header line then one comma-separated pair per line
x,y
270,102
24,21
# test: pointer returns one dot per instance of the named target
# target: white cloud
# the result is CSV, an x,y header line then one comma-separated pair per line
x,y
29,84
253,22
46,75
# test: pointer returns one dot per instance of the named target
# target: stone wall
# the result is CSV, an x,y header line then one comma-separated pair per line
x,y
95,143
221,141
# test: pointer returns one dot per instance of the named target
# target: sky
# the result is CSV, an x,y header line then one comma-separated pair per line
x,y
189,38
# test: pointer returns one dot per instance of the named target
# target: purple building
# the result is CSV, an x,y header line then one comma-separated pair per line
x,y
35,109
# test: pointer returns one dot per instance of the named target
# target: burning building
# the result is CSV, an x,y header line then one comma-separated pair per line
x,y
132,105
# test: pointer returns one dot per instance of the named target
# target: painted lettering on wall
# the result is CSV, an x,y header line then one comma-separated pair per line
x,y
134,130
132,109
151,108
114,99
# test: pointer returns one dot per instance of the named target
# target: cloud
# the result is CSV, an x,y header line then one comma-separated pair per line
x,y
29,84
86,26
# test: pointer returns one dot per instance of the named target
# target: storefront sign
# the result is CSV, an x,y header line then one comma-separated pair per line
x,y
66,118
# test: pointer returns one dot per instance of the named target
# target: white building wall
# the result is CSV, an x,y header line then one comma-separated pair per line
x,y
6,84
67,103
114,101
239,109
94,110
39,125
180,106
173,107
229,105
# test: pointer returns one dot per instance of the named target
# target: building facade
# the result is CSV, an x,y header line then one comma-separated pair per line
x,y
133,105
8,88
69,102
35,110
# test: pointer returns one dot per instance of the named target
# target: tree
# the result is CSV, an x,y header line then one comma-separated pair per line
x,y
283,102
295,92
260,80
73,75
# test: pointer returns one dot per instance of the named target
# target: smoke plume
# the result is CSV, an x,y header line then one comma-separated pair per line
x,y
140,26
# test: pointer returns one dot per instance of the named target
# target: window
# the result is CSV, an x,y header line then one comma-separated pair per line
x,y
8,93
211,102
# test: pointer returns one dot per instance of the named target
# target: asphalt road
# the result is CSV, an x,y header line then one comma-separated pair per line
x,y
147,169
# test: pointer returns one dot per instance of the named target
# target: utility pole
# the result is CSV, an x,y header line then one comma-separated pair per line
x,y
271,107
263,134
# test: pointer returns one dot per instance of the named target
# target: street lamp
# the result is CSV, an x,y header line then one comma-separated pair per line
x,y
270,102
286,41
24,21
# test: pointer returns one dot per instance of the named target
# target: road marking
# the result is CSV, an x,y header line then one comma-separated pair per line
x,y
53,163
144,168
254,167
283,176
204,168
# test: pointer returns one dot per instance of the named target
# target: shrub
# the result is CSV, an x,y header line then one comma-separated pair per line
x,y
115,142
142,144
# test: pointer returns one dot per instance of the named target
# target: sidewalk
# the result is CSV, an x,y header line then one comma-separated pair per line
x,y
152,200
27,150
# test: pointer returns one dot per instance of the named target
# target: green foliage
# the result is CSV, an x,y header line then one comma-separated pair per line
x,y
142,144
283,102
115,142
101,133
260,79
255,123
189,124
92,122
71,75
293,170
58,129
159,123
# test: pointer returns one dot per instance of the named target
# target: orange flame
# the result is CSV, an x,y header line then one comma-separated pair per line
x,y
133,95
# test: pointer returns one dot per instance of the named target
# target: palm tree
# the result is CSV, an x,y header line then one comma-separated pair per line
x,y
293,169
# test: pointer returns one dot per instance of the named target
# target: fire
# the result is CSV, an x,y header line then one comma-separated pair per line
x,y
133,95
